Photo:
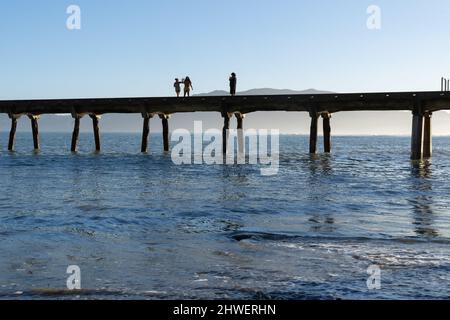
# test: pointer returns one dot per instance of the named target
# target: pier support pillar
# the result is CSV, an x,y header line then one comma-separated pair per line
x,y
165,125
76,133
313,133
416,136
326,132
427,136
225,132
12,132
240,132
145,132
95,120
35,129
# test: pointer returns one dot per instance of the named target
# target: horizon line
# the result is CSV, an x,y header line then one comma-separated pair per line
x,y
191,131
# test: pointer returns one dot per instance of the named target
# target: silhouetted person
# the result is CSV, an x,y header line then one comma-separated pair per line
x,y
177,86
187,86
233,84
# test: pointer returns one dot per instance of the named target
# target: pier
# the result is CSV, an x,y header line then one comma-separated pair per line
x,y
422,105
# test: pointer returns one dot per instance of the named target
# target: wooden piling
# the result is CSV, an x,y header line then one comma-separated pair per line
x,y
12,132
416,136
225,132
427,136
95,120
165,125
326,132
313,133
35,129
76,133
240,133
145,132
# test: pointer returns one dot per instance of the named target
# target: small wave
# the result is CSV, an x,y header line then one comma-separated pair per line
x,y
251,235
387,252
82,294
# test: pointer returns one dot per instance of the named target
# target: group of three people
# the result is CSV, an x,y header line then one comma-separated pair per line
x,y
188,85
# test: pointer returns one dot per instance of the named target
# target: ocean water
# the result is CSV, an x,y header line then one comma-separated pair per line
x,y
140,227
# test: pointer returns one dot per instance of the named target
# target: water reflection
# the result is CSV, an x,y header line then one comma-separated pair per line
x,y
235,182
422,204
319,193
320,164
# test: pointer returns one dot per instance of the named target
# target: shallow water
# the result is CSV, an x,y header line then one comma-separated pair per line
x,y
139,226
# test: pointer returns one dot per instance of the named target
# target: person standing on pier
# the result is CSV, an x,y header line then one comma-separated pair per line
x,y
233,84
187,87
177,86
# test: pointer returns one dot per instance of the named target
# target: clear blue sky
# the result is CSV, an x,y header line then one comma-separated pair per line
x,y
137,48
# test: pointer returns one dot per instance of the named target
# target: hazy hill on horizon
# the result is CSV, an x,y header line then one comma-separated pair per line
x,y
263,91
344,123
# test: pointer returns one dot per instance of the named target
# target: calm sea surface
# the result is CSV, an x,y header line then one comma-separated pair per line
x,y
139,226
